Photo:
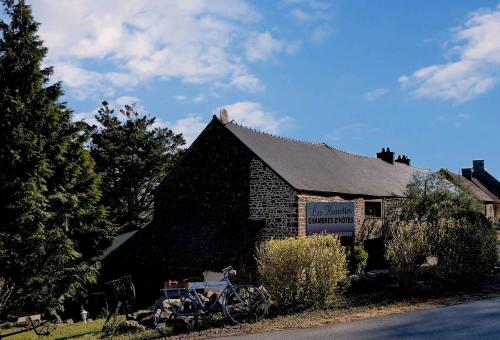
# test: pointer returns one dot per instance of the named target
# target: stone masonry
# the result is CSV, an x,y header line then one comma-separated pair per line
x,y
283,210
273,201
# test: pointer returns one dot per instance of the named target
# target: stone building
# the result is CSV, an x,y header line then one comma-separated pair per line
x,y
482,185
235,186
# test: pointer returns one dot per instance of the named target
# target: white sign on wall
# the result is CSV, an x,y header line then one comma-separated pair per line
x,y
330,217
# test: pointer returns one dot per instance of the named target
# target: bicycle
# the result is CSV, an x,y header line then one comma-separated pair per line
x,y
41,329
238,303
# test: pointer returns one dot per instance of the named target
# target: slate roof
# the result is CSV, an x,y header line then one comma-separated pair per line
x,y
477,190
118,241
322,168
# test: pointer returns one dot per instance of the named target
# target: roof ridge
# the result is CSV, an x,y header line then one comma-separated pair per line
x,y
273,135
347,152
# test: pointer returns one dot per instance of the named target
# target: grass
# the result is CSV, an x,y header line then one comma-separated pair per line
x,y
89,330
343,310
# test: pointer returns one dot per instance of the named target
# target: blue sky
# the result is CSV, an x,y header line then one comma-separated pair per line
x,y
418,76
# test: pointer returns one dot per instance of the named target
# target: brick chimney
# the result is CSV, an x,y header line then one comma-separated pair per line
x,y
478,164
386,155
403,159
467,173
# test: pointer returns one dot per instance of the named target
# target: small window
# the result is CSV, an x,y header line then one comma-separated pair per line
x,y
373,209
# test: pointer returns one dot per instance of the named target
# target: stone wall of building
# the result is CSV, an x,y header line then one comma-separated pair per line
x,y
200,218
272,201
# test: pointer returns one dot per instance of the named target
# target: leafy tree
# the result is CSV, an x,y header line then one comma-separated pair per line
x,y
441,220
132,156
51,219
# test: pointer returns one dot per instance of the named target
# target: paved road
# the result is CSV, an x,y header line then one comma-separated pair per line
x,y
476,320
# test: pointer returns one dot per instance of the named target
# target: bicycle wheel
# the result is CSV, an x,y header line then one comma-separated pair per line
x,y
171,311
45,329
244,304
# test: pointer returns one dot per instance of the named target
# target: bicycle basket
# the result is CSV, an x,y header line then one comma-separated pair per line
x,y
122,289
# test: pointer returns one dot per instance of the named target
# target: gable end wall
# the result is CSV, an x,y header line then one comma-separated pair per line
x,y
273,201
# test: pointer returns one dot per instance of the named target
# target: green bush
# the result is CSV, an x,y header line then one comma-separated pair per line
x,y
465,247
440,220
358,261
302,272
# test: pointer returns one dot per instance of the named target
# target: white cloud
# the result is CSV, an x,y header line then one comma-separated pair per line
x,y
476,70
321,33
262,47
461,118
455,120
115,104
199,98
180,98
310,11
197,42
245,82
251,114
82,82
375,94
301,15
322,5
125,100
88,117
190,127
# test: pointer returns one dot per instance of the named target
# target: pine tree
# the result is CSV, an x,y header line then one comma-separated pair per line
x,y
133,157
51,219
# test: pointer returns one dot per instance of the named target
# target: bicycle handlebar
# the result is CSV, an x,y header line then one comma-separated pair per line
x,y
225,270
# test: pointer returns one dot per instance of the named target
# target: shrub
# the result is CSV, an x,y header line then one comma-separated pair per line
x,y
5,294
444,221
406,250
358,261
465,247
302,272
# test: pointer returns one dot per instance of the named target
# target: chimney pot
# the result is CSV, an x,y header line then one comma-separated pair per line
x,y
478,164
386,155
467,173
224,116
403,159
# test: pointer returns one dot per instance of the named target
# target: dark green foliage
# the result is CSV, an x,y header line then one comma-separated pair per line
x,y
465,247
133,157
357,260
51,218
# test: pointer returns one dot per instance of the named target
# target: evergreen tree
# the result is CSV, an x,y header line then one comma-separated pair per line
x,y
132,156
51,220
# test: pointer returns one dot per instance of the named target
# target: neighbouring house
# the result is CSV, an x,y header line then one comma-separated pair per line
x,y
236,186
482,185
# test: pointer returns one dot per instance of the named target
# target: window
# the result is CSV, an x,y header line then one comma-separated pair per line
x,y
373,209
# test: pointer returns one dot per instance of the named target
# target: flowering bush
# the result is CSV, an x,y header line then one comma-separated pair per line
x,y
302,272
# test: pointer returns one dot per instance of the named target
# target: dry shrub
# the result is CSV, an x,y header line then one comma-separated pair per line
x,y
302,272
406,250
